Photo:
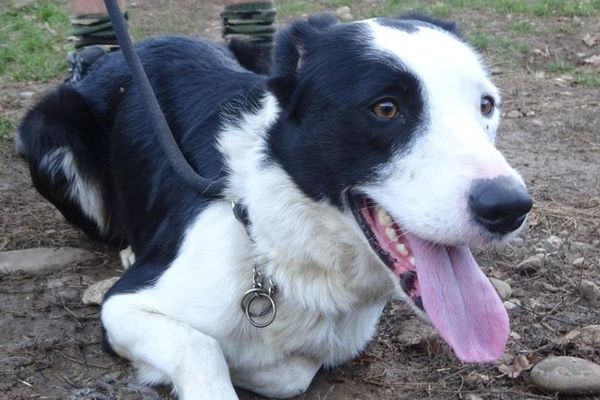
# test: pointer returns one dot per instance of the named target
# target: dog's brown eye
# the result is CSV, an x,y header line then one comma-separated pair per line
x,y
385,109
487,106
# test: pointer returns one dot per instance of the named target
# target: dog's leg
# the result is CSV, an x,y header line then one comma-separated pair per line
x,y
193,361
127,257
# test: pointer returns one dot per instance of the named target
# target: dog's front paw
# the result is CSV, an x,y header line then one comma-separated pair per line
x,y
127,257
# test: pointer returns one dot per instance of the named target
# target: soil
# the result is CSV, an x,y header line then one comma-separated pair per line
x,y
50,342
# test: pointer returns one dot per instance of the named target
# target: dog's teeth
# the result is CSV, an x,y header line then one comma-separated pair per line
x,y
402,249
391,233
383,217
411,260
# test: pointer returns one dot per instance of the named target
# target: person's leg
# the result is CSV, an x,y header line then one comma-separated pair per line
x,y
95,36
251,20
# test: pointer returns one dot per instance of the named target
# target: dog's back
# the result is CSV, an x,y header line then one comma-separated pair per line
x,y
68,137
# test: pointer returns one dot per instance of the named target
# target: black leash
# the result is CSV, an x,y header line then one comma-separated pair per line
x,y
205,186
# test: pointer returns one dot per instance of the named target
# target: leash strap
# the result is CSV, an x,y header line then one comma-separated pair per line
x,y
204,186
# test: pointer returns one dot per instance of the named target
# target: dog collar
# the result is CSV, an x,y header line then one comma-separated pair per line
x,y
257,303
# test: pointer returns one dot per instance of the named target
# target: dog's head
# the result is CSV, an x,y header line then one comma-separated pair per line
x,y
393,121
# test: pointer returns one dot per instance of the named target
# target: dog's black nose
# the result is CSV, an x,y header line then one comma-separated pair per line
x,y
499,204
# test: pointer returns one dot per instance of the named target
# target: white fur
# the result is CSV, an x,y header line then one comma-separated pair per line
x,y
426,186
81,190
188,328
127,257
322,323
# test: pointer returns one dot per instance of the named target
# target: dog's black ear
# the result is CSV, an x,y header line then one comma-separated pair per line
x,y
289,52
448,26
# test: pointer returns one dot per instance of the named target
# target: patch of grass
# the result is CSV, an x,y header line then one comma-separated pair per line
x,y
299,7
481,41
7,126
538,8
523,26
33,43
587,79
560,66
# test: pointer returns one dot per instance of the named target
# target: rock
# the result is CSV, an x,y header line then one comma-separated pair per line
x,y
588,336
95,293
590,40
503,288
476,380
26,95
41,259
555,241
578,262
567,375
531,264
472,396
589,290
511,305
414,332
514,114
593,60
344,13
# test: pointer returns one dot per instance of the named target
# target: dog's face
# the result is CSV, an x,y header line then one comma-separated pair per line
x,y
394,121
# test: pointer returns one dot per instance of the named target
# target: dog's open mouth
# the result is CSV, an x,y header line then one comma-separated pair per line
x,y
444,281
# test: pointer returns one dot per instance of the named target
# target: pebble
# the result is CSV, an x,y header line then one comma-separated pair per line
x,y
578,262
588,336
531,264
589,290
41,259
504,290
95,293
511,305
414,332
567,375
344,13
555,241
514,114
26,95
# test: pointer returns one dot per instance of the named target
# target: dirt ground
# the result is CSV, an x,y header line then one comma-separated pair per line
x,y
50,342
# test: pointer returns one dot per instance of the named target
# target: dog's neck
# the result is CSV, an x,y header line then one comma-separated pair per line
x,y
312,250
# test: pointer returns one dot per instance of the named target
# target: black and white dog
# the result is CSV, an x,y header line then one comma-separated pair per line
x,y
365,161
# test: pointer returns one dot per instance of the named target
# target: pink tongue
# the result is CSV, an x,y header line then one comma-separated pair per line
x,y
460,301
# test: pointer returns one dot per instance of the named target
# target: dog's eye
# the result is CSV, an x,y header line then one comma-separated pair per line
x,y
487,106
385,109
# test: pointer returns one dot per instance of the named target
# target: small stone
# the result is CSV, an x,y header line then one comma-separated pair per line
x,y
590,336
578,262
95,293
555,241
511,305
473,396
344,13
531,264
476,380
567,375
589,290
55,283
593,60
26,95
514,114
414,332
41,259
503,288
590,40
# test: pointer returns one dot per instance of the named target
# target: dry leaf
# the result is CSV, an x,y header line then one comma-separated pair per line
x,y
514,369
